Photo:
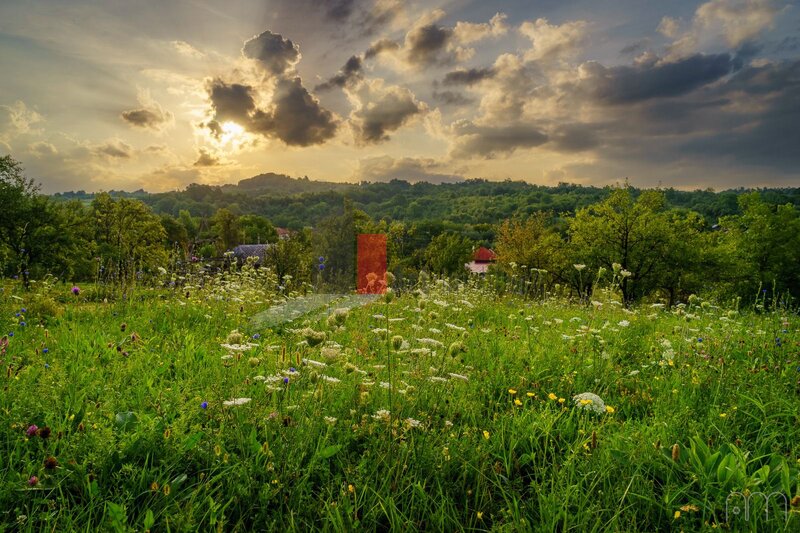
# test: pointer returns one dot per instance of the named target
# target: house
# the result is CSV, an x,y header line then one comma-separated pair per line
x,y
481,259
243,251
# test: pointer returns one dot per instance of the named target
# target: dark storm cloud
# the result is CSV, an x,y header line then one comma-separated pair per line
x,y
767,136
276,54
451,98
489,141
424,44
384,113
339,10
349,72
383,45
468,76
206,159
232,101
296,118
630,84
634,48
574,138
146,118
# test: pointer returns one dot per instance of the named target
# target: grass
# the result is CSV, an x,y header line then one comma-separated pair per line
x,y
703,404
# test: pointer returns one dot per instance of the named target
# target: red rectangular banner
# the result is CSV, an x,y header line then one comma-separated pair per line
x,y
371,260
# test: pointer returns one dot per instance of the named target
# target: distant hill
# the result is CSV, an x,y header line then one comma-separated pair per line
x,y
299,202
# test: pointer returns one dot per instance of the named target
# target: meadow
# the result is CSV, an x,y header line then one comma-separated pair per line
x,y
188,405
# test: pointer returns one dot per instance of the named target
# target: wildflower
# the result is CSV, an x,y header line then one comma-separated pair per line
x,y
458,376
236,401
690,507
330,420
579,267
351,489
561,400
204,405
45,350
286,381
32,429
485,434
677,515
590,402
313,338
33,481
381,414
76,290
50,463
480,515
154,486
609,410
397,342
552,396
44,432
517,402
530,394
512,392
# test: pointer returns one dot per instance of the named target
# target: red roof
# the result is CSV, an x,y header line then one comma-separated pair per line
x,y
484,255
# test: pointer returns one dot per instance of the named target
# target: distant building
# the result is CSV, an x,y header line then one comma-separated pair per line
x,y
283,233
481,259
243,251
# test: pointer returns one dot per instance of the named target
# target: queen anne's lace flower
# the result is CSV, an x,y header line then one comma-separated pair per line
x,y
589,401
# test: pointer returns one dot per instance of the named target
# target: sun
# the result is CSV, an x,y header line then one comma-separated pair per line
x,y
233,135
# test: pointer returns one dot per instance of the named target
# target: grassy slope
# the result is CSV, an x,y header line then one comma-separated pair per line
x,y
477,461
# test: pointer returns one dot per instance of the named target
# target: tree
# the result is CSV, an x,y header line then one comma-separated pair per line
x,y
256,229
226,228
632,233
532,243
292,258
129,236
448,253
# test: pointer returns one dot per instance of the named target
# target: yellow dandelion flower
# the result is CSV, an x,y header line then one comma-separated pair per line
x,y
677,515
485,434
480,515
517,402
723,415
552,396
609,409
530,394
586,402
561,400
512,392
351,489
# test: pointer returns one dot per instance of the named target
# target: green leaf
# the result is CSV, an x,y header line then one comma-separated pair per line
x,y
192,441
125,420
149,520
330,451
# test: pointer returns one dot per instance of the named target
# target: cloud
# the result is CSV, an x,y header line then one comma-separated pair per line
x,y
295,117
627,84
735,21
187,50
113,149
206,159
451,98
17,119
149,116
410,169
43,149
380,46
552,42
275,54
380,109
574,137
339,10
231,101
350,72
469,32
473,140
468,76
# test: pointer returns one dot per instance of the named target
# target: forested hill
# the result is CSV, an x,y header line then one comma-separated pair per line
x,y
296,203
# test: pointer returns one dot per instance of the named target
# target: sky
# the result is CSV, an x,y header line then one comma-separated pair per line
x,y
158,94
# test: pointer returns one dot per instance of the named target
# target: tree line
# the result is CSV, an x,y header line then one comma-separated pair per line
x,y
567,241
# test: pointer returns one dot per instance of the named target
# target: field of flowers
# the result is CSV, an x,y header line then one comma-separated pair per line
x,y
444,406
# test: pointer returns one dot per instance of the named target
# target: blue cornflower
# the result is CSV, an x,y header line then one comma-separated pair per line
x,y
286,380
292,370
256,336
321,259
204,405
11,334
45,350
700,339
23,310
23,324
322,266
46,365
17,315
